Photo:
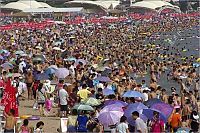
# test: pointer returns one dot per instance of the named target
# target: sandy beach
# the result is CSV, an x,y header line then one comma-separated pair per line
x,y
51,123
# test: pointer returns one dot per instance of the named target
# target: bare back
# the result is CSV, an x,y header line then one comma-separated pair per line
x,y
10,122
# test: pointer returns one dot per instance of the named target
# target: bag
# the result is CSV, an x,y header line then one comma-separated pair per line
x,y
35,105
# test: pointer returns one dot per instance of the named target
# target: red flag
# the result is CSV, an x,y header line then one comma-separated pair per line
x,y
9,98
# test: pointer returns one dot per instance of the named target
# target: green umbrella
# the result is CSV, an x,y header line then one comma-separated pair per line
x,y
83,107
92,101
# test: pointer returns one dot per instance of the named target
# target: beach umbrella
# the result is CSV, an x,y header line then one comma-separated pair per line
x,y
50,71
19,52
100,69
38,59
103,79
92,101
133,94
70,59
106,72
53,66
80,60
149,114
135,107
62,73
110,115
116,103
41,76
1,57
56,48
23,55
3,51
166,109
152,101
83,107
7,66
107,92
183,130
39,47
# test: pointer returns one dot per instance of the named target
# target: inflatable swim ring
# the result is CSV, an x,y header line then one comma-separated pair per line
x,y
25,116
34,118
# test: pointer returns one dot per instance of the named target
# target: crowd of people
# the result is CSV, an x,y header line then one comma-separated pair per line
x,y
63,66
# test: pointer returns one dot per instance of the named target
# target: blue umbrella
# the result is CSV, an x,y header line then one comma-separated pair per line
x,y
107,92
50,71
70,59
7,54
1,57
115,102
7,66
149,114
19,52
183,130
103,79
152,101
135,107
132,94
166,109
41,76
106,72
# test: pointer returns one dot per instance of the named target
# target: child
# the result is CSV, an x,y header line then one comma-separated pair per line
x,y
24,128
39,127
10,121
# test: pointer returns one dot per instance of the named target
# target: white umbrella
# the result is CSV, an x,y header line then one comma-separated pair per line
x,y
56,48
62,73
53,66
38,47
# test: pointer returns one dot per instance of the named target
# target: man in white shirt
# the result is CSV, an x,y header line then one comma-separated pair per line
x,y
63,97
72,70
140,126
145,94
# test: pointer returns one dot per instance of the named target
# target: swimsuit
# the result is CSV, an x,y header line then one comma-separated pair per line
x,y
9,131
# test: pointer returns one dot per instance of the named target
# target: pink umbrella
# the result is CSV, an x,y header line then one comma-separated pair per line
x,y
110,115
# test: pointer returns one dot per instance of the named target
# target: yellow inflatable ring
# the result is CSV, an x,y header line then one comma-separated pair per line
x,y
25,116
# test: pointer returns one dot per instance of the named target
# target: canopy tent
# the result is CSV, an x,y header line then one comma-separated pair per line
x,y
21,14
93,5
24,4
52,10
153,5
